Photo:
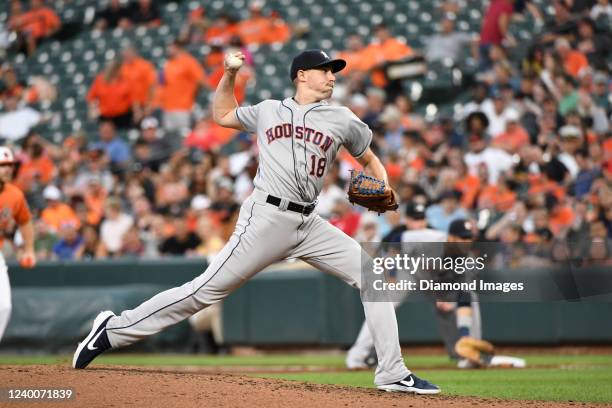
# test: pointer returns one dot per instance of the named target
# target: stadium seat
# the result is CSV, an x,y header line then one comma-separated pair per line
x,y
48,69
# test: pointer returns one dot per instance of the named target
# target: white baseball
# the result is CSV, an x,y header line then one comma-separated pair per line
x,y
232,61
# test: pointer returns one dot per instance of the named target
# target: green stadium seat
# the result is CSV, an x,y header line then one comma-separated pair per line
x,y
93,67
463,26
48,69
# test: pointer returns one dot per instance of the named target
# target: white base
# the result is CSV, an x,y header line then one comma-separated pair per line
x,y
507,361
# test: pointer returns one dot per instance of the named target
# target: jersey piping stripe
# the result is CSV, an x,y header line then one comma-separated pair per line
x,y
295,174
201,286
366,148
305,159
240,120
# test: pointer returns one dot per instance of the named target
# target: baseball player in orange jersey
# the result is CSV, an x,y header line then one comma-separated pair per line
x,y
14,212
297,137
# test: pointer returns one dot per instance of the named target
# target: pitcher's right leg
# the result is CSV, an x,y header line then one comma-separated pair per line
x,y
332,251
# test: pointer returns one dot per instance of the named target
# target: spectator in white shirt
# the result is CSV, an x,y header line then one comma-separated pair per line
x,y
479,100
16,122
602,8
571,137
497,112
496,160
114,226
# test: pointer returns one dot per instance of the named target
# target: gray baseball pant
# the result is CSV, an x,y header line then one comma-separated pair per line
x,y
265,234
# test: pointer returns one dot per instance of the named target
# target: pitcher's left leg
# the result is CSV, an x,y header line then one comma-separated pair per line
x,y
330,250
361,354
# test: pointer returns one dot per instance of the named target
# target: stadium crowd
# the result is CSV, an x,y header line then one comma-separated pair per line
x,y
528,157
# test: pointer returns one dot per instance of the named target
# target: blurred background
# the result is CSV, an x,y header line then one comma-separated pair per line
x,y
494,111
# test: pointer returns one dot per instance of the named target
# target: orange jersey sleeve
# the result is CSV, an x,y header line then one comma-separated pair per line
x,y
13,207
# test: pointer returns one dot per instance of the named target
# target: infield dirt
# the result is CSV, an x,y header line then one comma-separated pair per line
x,y
114,386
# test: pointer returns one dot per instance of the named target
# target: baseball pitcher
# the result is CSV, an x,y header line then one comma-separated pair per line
x,y
298,139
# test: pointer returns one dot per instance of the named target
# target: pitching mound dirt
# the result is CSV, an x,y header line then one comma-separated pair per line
x,y
111,386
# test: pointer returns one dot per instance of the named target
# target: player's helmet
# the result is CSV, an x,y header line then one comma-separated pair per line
x,y
6,155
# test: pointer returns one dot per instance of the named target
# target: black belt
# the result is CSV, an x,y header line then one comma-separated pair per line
x,y
295,207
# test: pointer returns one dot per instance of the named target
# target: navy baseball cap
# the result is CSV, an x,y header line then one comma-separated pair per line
x,y
416,211
310,59
461,228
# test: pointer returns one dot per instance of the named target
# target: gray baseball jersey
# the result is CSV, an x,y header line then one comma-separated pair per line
x,y
297,143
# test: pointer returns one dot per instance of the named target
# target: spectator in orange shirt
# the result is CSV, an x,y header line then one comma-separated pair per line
x,y
259,29
468,184
515,135
110,97
497,196
182,76
214,59
279,31
561,216
221,30
37,23
95,199
573,61
141,77
383,49
56,211
354,55
36,165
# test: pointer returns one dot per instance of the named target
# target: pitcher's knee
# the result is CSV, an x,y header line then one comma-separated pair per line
x,y
210,295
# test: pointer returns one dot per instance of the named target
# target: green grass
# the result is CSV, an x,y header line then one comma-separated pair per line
x,y
318,360
584,385
583,378
321,360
